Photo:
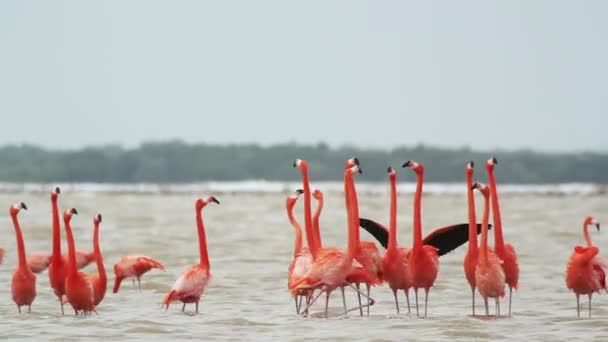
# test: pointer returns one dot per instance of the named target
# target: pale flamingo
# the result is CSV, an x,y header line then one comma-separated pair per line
x,y
302,259
504,251
24,280
189,287
99,280
396,259
489,275
40,261
134,266
78,287
470,259
56,264
586,271
424,260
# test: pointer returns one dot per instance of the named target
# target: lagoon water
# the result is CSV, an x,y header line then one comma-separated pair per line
x,y
250,246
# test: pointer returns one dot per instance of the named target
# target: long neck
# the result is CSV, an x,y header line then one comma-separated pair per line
x,y
98,257
307,213
71,248
20,244
296,226
417,214
56,232
353,238
484,228
392,235
315,223
499,242
472,218
586,235
202,239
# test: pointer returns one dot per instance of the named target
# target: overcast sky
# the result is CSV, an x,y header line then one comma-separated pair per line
x,y
486,74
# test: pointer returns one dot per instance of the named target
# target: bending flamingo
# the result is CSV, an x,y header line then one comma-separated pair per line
x,y
78,287
134,266
57,266
99,280
396,259
424,260
302,259
503,250
489,275
470,259
586,271
189,287
24,280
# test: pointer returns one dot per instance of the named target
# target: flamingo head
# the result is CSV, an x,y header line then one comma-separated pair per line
x,y
291,200
97,219
417,167
392,174
469,168
354,169
590,220
491,163
15,208
351,162
202,202
300,164
482,188
67,215
55,193
317,194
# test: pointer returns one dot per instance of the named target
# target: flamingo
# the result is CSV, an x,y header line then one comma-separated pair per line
x,y
24,280
40,261
489,275
302,259
318,195
189,287
99,280
503,250
470,259
134,266
586,271
424,260
56,264
396,260
78,287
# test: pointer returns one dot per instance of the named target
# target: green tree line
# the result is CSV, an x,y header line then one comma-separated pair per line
x,y
176,162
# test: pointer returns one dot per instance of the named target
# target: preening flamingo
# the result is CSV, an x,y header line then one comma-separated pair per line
x,y
189,287
57,265
302,259
424,260
470,259
586,271
396,259
489,275
503,250
134,266
99,280
78,287
24,280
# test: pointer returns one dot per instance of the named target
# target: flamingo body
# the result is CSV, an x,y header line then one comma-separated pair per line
x,y
133,266
424,267
40,261
509,265
190,286
396,268
490,277
23,286
298,268
585,273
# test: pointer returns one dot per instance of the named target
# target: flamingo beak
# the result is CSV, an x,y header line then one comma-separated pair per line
x,y
300,191
471,164
213,199
494,161
98,217
57,190
597,225
407,164
390,170
475,185
356,160
74,211
23,206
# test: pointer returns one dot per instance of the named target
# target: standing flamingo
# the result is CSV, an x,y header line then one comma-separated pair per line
x,y
302,259
503,250
318,195
99,280
489,275
57,269
396,260
134,266
78,287
424,260
189,287
470,259
586,271
24,280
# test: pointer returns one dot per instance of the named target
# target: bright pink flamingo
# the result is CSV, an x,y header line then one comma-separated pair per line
x,y
470,259
99,280
318,195
40,261
424,260
302,259
489,275
396,259
586,271
503,250
189,287
134,266
24,280
56,264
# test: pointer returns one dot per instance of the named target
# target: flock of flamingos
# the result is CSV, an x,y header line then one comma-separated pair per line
x,y
316,269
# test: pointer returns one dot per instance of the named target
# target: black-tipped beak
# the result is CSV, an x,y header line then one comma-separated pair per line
x,y
407,164
359,170
295,163
389,170
213,199
98,217
597,225
475,185
300,191
57,190
472,164
494,160
74,211
23,206
356,160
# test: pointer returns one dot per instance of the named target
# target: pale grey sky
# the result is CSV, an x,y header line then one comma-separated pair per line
x,y
487,74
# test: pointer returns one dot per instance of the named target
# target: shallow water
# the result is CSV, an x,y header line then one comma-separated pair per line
x,y
250,246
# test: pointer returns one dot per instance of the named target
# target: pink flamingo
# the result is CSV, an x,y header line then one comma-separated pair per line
x,y
134,266
40,261
24,280
470,259
99,280
302,259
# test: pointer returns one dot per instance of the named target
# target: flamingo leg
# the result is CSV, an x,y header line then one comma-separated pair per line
x,y
29,307
184,307
485,301
371,301
590,304
61,303
510,297
295,299
407,298
197,306
473,299
497,307
139,284
396,300
343,299
326,303
426,300
367,286
19,308
578,307
359,298
311,300
416,292
133,281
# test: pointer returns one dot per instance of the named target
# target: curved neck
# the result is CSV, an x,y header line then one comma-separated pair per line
x,y
315,223
472,218
586,235
20,244
417,213
71,248
353,238
484,228
307,213
392,235
56,257
202,239
98,257
499,242
296,226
